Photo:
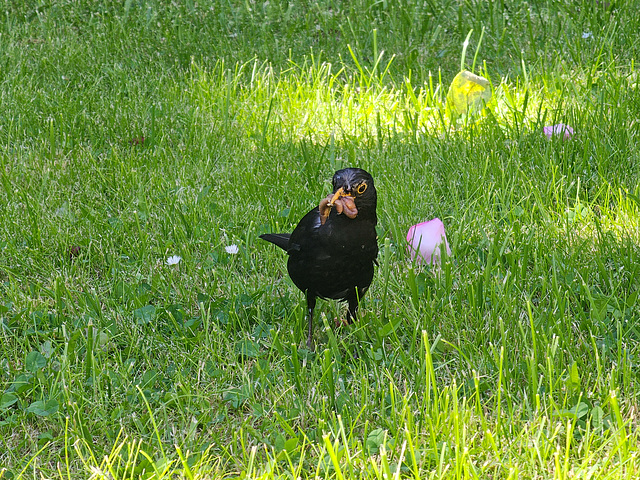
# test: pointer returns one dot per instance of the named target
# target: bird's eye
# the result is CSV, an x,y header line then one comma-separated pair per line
x,y
360,189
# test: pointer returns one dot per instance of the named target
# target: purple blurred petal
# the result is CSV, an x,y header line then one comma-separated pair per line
x,y
558,129
425,239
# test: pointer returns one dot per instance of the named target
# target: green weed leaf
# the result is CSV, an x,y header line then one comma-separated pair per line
x,y
573,380
580,410
35,361
44,408
236,397
247,348
7,400
145,314
597,417
374,440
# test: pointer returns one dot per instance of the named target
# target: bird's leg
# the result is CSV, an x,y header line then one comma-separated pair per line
x,y
352,310
351,317
311,304
354,301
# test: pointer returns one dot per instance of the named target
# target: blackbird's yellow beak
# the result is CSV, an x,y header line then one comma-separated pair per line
x,y
336,196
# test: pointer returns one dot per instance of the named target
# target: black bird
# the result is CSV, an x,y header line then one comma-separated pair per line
x,y
334,247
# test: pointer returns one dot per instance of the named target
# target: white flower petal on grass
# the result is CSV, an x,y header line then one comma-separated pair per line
x,y
231,249
425,239
174,260
559,129
587,34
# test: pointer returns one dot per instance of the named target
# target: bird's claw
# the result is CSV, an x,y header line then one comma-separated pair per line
x,y
341,322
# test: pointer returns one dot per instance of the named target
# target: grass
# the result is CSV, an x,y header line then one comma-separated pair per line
x,y
134,131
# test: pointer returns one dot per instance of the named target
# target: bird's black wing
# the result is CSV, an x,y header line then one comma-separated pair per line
x,y
279,239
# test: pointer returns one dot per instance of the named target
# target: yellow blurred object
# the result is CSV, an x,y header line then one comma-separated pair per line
x,y
468,93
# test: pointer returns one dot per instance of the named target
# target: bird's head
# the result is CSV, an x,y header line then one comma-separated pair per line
x,y
354,194
355,183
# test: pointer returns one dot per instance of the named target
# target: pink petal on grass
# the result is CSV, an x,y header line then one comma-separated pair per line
x,y
425,239
559,129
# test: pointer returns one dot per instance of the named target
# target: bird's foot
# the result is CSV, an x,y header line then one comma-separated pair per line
x,y
341,322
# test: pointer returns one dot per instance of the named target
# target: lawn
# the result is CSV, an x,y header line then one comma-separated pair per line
x,y
147,332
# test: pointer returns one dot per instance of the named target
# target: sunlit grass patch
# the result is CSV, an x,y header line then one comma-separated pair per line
x,y
317,100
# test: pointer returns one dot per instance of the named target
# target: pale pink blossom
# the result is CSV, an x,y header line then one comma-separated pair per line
x,y
425,241
232,249
559,129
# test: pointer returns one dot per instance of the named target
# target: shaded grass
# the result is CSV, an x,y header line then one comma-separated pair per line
x,y
517,360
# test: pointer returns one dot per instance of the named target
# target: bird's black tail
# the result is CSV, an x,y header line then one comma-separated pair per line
x,y
279,239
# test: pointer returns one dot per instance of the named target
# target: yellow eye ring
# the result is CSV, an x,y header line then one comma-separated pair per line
x,y
360,189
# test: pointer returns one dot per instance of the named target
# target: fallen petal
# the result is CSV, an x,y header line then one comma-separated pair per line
x,y
424,241
468,92
558,129
174,260
232,249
